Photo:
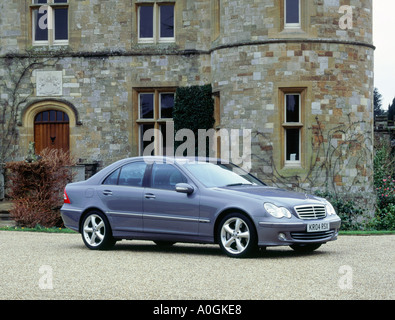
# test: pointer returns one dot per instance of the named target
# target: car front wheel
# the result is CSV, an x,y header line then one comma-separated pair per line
x,y
237,236
96,231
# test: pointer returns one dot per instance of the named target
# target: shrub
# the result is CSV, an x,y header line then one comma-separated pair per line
x,y
384,163
385,192
194,110
384,182
384,219
346,209
36,188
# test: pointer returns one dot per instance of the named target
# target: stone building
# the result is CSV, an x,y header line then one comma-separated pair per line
x,y
297,73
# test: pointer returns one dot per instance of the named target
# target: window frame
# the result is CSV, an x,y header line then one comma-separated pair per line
x,y
297,25
156,23
159,22
64,116
50,10
292,162
160,117
285,125
146,39
156,121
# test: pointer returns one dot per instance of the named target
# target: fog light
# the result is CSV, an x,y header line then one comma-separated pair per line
x,y
281,236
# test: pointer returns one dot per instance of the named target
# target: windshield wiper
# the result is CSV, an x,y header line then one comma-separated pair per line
x,y
238,184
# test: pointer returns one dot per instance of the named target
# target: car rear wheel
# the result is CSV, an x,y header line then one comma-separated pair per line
x,y
237,236
96,231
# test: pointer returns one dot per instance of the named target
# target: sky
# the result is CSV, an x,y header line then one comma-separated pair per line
x,y
384,56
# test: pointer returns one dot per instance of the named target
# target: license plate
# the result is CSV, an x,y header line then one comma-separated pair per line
x,y
317,227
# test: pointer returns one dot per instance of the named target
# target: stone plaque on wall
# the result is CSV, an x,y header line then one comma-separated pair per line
x,y
48,83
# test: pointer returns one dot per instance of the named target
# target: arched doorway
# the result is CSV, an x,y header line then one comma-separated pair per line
x,y
51,130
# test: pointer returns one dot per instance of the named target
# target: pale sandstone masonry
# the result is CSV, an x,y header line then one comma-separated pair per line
x,y
247,55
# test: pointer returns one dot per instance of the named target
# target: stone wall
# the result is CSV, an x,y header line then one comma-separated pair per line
x,y
101,90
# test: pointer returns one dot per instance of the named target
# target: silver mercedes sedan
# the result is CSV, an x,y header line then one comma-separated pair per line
x,y
169,200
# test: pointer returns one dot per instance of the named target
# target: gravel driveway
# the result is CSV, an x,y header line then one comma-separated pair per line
x,y
59,266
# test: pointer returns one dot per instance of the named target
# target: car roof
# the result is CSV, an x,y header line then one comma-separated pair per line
x,y
150,159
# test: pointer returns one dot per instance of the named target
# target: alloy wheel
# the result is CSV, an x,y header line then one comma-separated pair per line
x,y
94,230
235,235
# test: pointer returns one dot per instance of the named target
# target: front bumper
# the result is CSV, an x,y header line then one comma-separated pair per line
x,y
284,233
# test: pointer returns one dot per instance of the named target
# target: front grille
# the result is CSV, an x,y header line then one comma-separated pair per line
x,y
312,235
309,212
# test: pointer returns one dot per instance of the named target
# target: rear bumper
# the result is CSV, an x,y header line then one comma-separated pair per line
x,y
71,218
284,233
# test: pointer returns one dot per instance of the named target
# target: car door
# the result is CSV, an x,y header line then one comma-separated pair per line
x,y
167,211
122,194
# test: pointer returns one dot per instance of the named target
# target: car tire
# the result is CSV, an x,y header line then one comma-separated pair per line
x,y
96,231
237,236
305,248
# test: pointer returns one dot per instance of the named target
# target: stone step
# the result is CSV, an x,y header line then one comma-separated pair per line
x,y
5,206
7,223
5,219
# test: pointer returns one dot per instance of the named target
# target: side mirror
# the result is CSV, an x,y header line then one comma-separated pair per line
x,y
184,188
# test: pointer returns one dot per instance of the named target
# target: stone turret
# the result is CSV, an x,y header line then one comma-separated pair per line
x,y
324,58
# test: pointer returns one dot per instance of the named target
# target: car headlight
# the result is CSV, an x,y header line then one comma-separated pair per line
x,y
277,212
330,210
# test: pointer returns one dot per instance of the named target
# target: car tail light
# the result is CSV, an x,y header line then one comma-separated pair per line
x,y
65,197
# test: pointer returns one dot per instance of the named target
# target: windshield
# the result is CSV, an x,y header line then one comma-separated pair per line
x,y
221,175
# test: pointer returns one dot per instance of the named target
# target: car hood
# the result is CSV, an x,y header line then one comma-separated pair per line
x,y
274,195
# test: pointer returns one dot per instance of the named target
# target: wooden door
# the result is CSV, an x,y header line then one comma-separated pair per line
x,y
51,130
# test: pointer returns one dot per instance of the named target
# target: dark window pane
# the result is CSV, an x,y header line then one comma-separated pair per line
x,y
52,116
59,116
292,107
132,174
166,105
112,179
146,21
40,21
164,137
61,24
163,131
40,1
144,144
38,118
60,1
146,105
66,117
167,21
46,116
292,144
292,10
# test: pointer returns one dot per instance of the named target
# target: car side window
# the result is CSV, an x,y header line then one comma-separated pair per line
x,y
165,176
132,174
112,179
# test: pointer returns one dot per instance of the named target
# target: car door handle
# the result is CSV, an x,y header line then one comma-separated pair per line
x,y
149,196
107,192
